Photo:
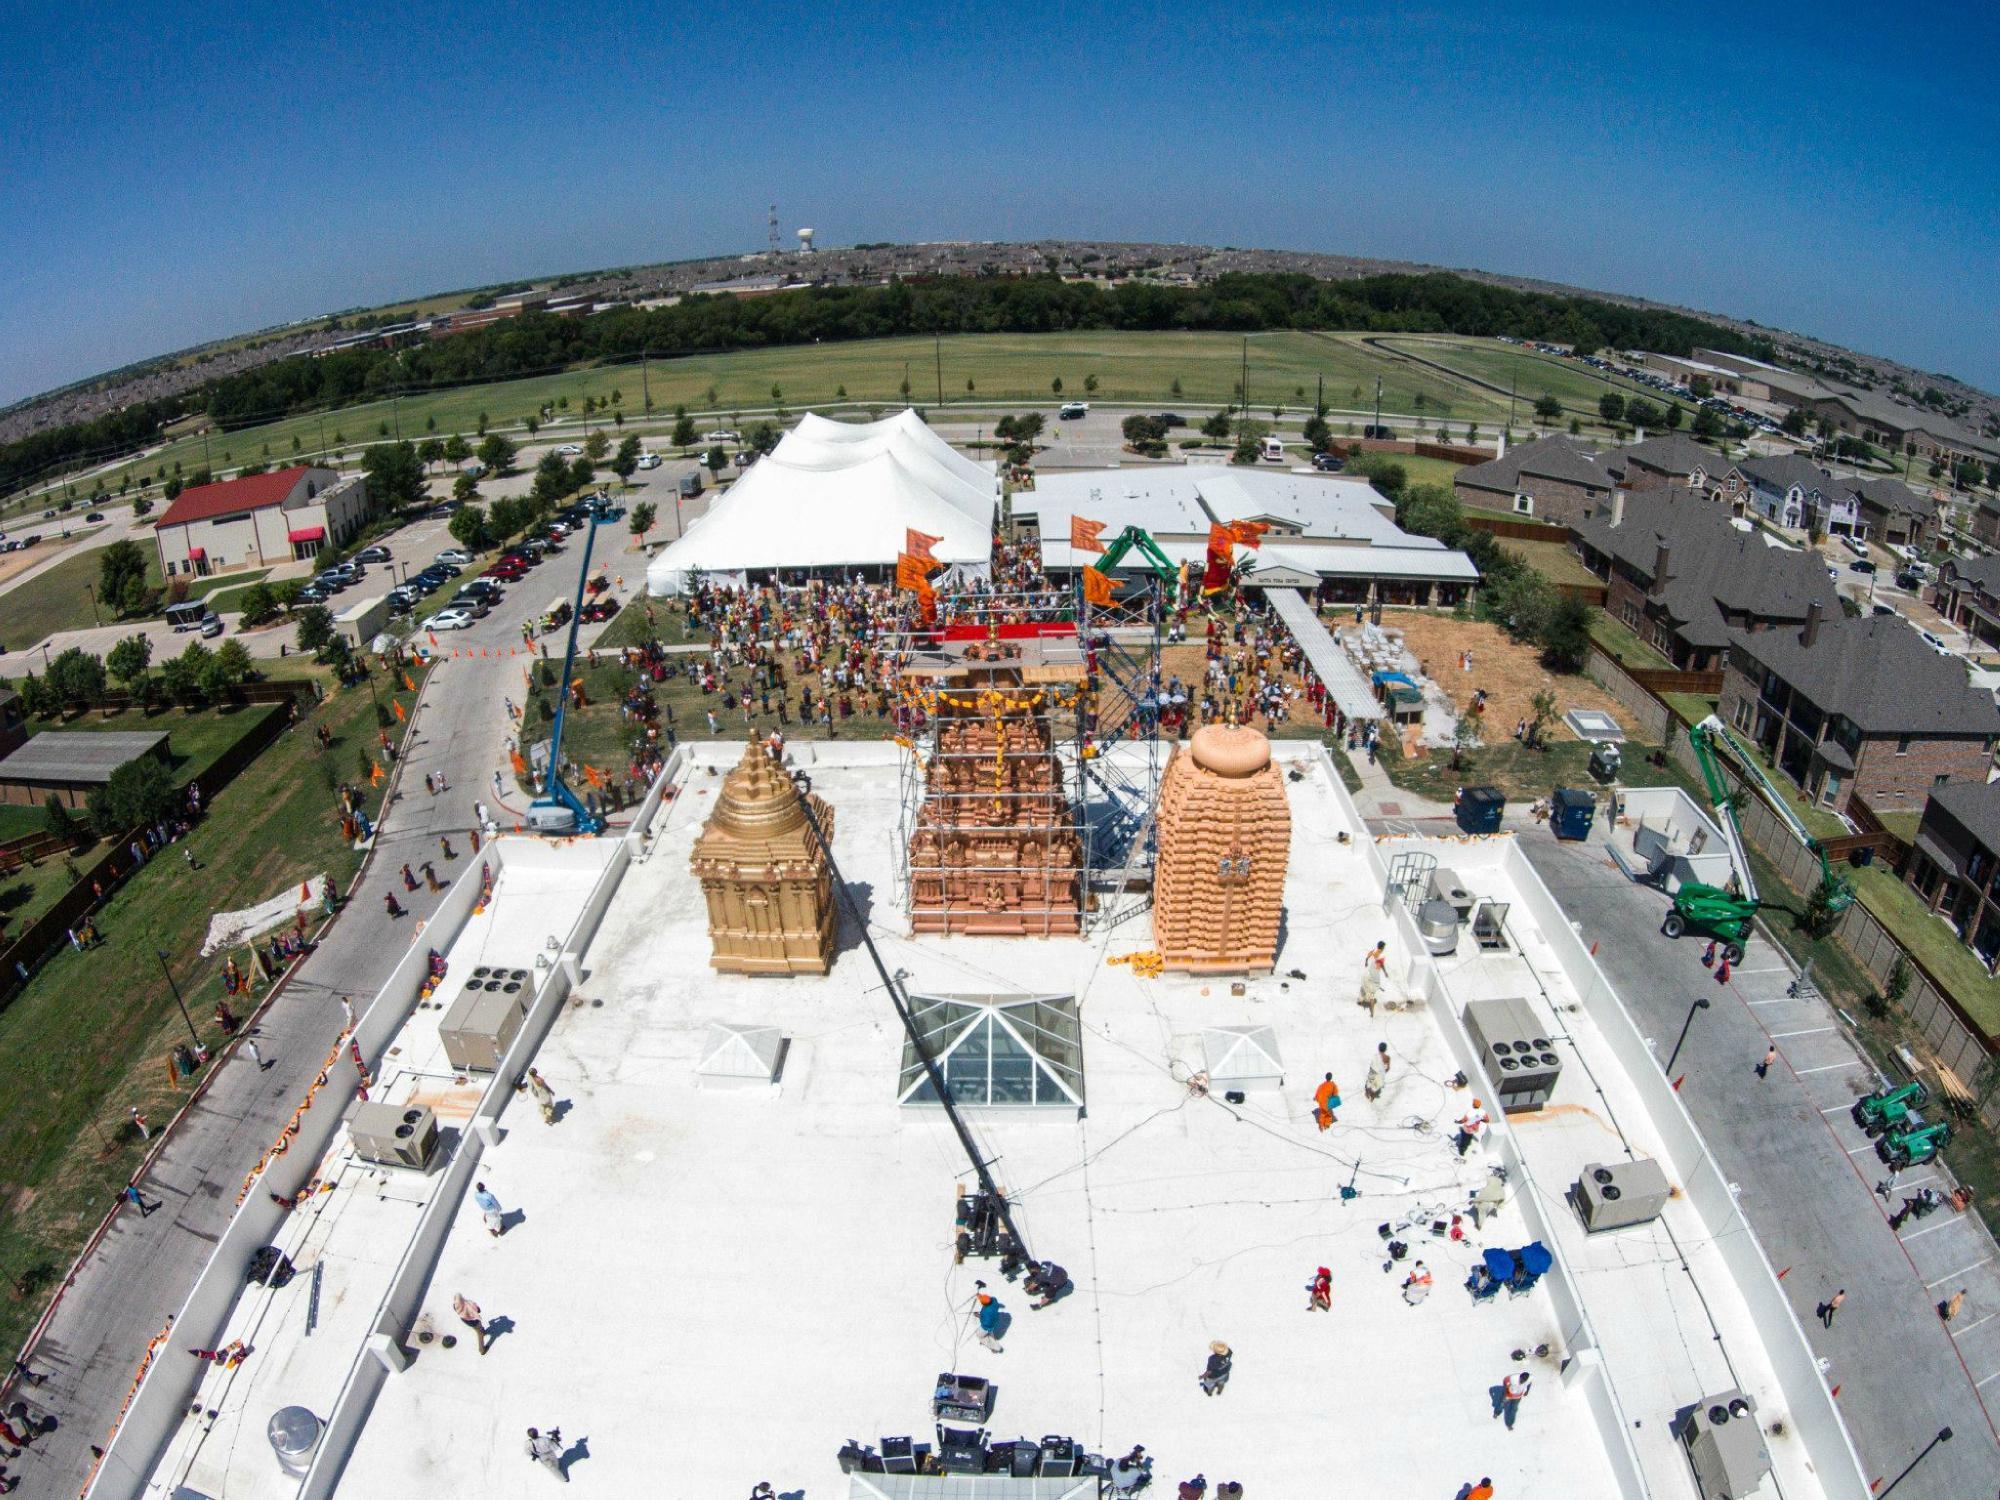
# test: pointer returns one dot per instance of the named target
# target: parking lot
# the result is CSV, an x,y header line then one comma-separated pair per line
x,y
1807,1177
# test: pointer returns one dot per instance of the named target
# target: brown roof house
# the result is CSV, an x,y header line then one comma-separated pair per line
x,y
1896,515
1844,706
1673,458
1955,865
1551,479
1683,574
1968,595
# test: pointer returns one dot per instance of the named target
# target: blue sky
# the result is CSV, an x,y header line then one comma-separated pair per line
x,y
172,173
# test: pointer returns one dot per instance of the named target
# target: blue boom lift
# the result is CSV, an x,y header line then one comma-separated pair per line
x,y
559,810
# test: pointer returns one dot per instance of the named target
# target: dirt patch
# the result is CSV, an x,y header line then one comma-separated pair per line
x,y
1511,673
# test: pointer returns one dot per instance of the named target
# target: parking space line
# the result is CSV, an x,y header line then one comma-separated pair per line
x,y
1914,1233
1780,969
1994,1376
1830,1067
1864,1146
1809,1031
1958,1273
1962,1332
1785,1000
1838,1109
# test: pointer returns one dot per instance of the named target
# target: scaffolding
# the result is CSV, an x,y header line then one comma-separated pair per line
x,y
1013,819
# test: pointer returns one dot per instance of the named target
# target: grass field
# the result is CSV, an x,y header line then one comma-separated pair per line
x,y
88,1037
1900,910
1617,638
196,738
1521,773
1553,561
56,600
1577,386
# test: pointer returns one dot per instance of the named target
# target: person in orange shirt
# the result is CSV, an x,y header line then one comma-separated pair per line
x,y
1480,1491
1326,1099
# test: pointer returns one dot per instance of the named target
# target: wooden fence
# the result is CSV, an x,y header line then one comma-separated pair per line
x,y
1518,531
30,849
1451,453
1663,680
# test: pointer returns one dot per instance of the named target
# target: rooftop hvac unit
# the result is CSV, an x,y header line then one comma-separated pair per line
x,y
1447,885
395,1135
483,1020
1516,1051
1618,1195
1725,1446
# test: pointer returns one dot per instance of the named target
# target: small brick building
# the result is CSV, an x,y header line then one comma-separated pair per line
x,y
1846,705
1955,865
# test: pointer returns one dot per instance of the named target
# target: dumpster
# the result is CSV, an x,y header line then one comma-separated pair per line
x,y
1478,808
1571,811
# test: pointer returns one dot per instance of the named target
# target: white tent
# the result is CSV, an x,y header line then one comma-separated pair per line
x,y
741,1057
821,504
820,443
1242,1057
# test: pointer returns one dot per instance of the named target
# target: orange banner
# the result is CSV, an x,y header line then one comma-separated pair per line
x,y
1083,534
1098,587
1248,533
913,573
399,709
1220,538
918,545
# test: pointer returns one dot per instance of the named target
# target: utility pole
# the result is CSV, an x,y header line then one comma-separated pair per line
x,y
396,413
645,384
161,954
1319,401
937,350
1513,385
1243,386
1378,405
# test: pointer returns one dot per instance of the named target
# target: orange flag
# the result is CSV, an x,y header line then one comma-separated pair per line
x,y
1083,534
409,685
374,774
399,709
918,545
1098,587
1220,538
913,573
1248,533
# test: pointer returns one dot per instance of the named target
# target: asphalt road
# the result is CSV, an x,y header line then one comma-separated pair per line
x,y
1806,1173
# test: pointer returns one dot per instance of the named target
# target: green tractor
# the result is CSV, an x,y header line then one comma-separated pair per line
x,y
1913,1145
1889,1109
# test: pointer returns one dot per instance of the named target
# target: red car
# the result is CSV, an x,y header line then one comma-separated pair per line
x,y
507,570
599,609
598,584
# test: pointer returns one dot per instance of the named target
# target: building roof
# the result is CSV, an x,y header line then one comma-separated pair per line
x,y
1670,453
1975,805
1879,492
78,756
1983,573
1877,673
1781,471
228,497
1715,565
1554,457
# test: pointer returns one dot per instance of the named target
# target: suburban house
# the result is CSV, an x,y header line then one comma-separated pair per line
x,y
1684,574
1553,479
1983,524
259,520
1955,865
1932,437
1859,705
1677,460
1795,492
1894,514
1968,595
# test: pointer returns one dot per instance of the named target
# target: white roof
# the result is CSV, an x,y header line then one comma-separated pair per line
x,y
750,1053
821,442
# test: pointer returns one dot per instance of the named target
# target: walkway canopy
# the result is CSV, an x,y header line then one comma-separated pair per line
x,y
1010,1051
1343,679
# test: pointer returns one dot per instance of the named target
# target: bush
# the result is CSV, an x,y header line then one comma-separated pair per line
x,y
59,822
260,604
315,627
140,791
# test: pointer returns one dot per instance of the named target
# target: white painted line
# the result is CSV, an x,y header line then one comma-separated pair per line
x,y
1994,1376
1838,1109
1962,1332
1809,1031
1787,1000
1958,1273
1914,1233
1830,1067
1778,969
1864,1146
1916,1182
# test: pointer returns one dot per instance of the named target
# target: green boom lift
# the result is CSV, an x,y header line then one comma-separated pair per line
x,y
1133,536
1726,913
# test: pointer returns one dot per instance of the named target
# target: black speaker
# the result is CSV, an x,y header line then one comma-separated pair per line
x,y
1059,1457
961,1450
1026,1459
897,1457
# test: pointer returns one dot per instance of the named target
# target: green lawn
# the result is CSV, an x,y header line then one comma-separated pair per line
x,y
56,600
196,738
88,1036
1932,940
1554,561
17,821
31,890
1523,774
215,589
1576,385
1617,638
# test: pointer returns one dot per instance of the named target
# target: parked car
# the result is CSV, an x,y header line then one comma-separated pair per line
x,y
649,460
597,585
485,588
722,435
1935,642
1859,549
1071,410
1329,463
450,619
452,557
446,569
571,450
1371,430
477,604
690,484
506,572
1171,419
96,515
600,609
211,625
312,593
1861,565
376,554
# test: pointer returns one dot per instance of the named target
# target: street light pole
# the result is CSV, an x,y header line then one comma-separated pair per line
x,y
1700,1003
91,594
161,954
1944,1436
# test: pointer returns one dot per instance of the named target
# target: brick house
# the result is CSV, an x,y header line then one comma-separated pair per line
x,y
1684,575
1955,866
1848,705
1674,459
1968,595
1894,514
259,520
1551,479
1793,491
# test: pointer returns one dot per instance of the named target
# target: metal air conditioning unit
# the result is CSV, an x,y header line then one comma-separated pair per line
x,y
1621,1194
483,1021
1516,1051
395,1135
1725,1446
1447,885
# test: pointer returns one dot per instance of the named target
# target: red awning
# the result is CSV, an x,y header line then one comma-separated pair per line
x,y
197,554
308,534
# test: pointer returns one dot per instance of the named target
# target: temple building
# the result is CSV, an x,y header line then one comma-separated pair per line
x,y
764,875
1225,828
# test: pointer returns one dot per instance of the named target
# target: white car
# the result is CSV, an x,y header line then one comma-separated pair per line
x,y
458,557
722,435
571,450
649,460
449,619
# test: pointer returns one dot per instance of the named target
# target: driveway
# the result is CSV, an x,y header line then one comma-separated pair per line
x,y
1806,1175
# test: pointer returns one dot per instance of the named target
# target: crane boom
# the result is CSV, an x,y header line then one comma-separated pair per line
x,y
1719,798
561,810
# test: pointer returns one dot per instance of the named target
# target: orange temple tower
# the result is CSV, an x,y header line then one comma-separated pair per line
x,y
769,890
1225,834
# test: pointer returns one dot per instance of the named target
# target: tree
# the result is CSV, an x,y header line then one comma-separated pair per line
x,y
260,603
1701,387
640,519
1318,434
1640,412
1432,510
465,489
533,423
1794,424
1707,424
1465,738
456,449
1541,714
234,659
1675,415
1246,449
1090,385
597,445
497,453
59,823
1566,636
431,451
468,527
315,628
76,678
1575,427
625,465
141,506
764,437
395,475
1216,427
213,678
140,791
1548,408
715,460
1055,386
129,659
507,516
684,433
1611,407
582,472
121,578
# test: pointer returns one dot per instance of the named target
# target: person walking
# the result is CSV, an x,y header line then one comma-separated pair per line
x,y
1326,1103
467,1312
1216,1372
139,1124
252,1051
499,791
1508,1396
430,876
1471,1126
1371,1088
990,1312
430,784
490,1209
544,1096
547,1451
391,905
409,877
1831,1306
1770,1056
444,843
1949,1308
131,1194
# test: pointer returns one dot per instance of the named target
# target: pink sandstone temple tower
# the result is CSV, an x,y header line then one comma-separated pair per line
x,y
1225,832
769,891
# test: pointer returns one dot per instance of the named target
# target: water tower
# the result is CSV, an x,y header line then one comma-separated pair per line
x,y
806,240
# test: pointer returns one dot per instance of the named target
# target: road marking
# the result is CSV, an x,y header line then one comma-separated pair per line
x,y
1914,1233
1994,1376
1864,1146
1830,1067
1836,1109
1780,969
1809,1031
1786,1000
1958,1273
1961,1333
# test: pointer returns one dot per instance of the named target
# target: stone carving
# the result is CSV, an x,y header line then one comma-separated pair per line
x,y
769,891
1225,834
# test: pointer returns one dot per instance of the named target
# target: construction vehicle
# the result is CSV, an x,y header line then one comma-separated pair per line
x,y
1725,914
1913,1145
559,811
1889,1109
1134,536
